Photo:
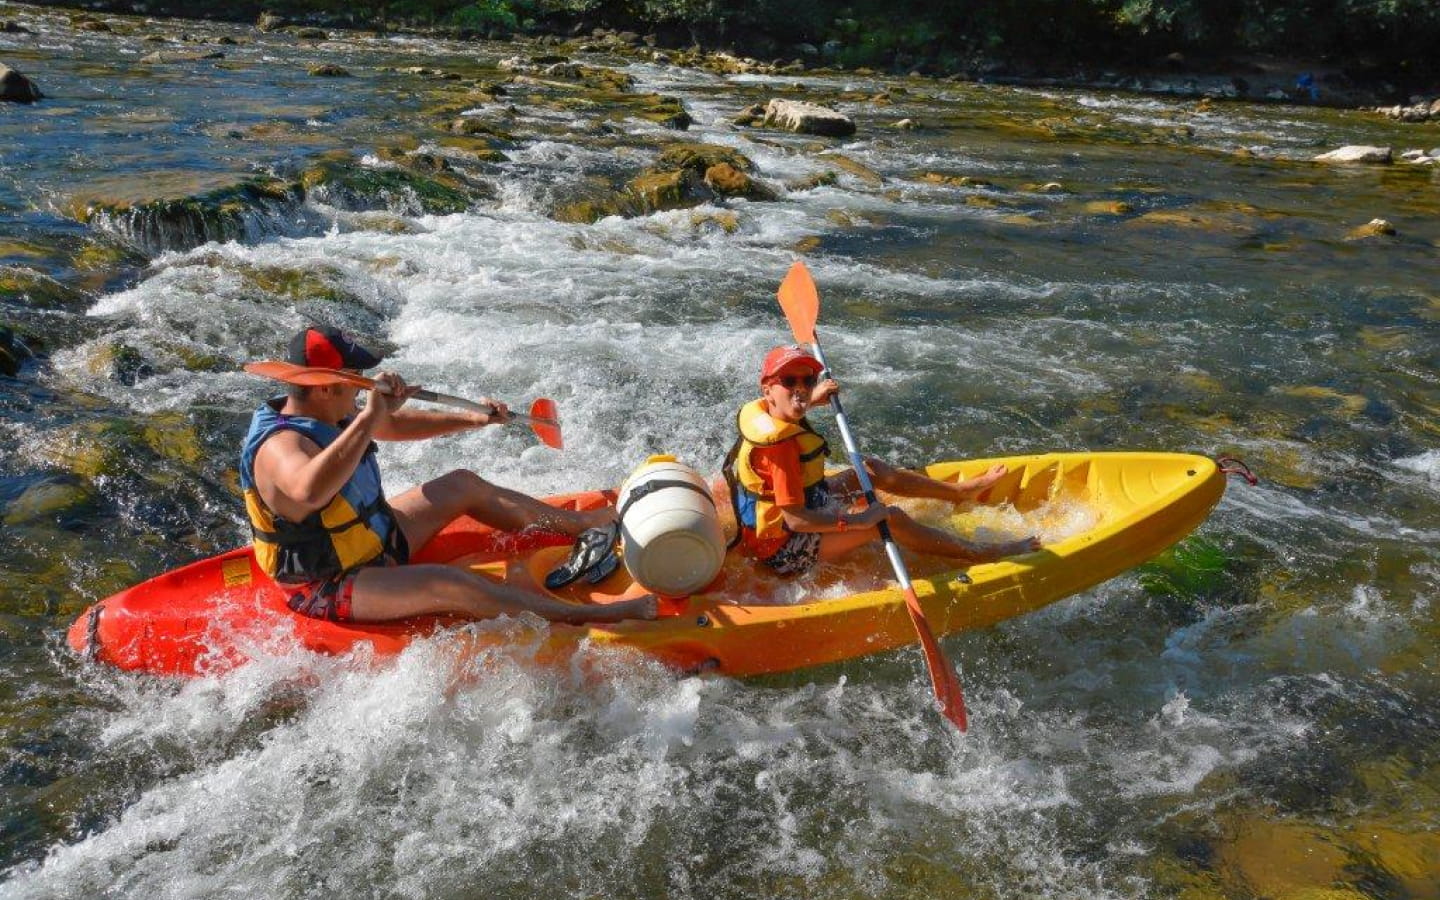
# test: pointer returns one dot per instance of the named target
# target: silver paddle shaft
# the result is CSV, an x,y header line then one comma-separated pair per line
x,y
487,409
891,549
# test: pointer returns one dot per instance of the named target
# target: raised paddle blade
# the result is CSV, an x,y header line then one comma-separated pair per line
x,y
545,421
305,376
943,680
801,302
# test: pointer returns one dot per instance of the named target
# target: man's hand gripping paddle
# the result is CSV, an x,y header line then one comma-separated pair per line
x,y
801,303
543,418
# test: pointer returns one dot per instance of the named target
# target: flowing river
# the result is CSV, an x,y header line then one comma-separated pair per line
x,y
1255,714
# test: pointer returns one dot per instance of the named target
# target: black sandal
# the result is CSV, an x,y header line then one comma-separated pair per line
x,y
592,556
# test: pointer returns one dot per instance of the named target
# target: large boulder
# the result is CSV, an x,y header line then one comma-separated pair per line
x,y
807,118
16,88
1358,153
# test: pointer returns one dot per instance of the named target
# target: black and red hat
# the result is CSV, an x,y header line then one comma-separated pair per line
x,y
326,347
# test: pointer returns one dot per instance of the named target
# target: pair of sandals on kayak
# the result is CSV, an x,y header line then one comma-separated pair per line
x,y
594,557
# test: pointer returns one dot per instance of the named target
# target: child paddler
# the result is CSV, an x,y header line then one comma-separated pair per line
x,y
792,516
324,529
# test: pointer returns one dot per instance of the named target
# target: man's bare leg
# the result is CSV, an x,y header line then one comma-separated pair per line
x,y
400,592
426,509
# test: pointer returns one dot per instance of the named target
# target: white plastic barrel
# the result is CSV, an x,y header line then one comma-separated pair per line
x,y
670,532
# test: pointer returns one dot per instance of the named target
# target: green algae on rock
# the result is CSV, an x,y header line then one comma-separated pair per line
x,y
237,212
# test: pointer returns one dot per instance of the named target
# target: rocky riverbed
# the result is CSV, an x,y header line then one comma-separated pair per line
x,y
1005,268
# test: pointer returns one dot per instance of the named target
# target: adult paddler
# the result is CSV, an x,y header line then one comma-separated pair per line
x,y
792,516
324,529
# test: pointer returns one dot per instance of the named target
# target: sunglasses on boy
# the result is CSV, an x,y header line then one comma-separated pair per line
x,y
790,382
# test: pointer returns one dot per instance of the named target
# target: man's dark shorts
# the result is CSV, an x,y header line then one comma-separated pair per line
x,y
330,598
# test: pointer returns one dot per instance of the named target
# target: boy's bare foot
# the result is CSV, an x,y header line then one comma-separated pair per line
x,y
971,488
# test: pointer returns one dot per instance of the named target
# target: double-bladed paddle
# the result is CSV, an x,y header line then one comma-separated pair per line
x,y
543,418
801,303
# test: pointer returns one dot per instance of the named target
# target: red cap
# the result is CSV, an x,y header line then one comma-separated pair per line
x,y
781,358
329,348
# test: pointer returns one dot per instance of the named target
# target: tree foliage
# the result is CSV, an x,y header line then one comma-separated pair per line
x,y
1388,36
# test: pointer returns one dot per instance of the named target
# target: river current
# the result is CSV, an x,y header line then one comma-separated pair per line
x,y
1255,714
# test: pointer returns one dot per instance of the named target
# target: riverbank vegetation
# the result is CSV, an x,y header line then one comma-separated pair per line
x,y
1363,40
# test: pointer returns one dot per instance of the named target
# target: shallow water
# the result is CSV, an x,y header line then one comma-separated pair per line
x,y
1253,715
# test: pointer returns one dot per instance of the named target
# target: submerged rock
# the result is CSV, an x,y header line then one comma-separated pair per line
x,y
160,57
348,185
1357,153
16,88
1371,229
63,499
330,70
807,118
246,210
14,350
26,287
666,111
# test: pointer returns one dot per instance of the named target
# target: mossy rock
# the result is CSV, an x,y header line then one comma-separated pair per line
x,y
120,362
699,157
666,111
27,287
480,148
1108,208
727,181
105,255
471,126
605,79
16,251
356,187
114,447
15,348
810,182
660,191
189,222
1278,859
173,436
330,70
585,212
10,357
859,170
294,285
61,499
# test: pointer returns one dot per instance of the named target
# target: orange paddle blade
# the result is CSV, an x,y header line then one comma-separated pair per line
x,y
801,302
943,680
545,421
305,376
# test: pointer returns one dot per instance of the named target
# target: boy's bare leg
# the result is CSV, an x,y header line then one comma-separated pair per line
x,y
909,483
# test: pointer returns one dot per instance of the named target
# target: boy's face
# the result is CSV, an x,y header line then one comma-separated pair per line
x,y
787,393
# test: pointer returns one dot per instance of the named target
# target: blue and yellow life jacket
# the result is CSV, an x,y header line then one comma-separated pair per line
x,y
753,498
353,529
